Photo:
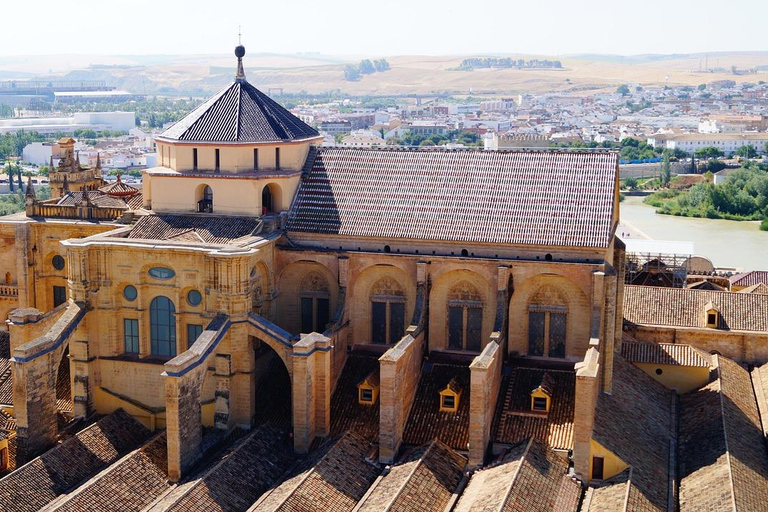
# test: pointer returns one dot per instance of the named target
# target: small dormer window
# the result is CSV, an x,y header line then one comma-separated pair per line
x,y
541,395
711,316
540,404
368,389
711,319
450,396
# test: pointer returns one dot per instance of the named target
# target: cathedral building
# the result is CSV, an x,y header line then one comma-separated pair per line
x,y
272,325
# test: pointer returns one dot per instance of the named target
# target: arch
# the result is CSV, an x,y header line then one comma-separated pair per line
x,y
314,297
549,315
304,279
386,292
162,327
204,198
465,300
271,198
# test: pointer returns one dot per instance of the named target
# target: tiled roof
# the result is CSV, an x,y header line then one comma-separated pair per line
x,y
426,421
346,411
680,307
5,344
635,423
664,353
531,478
335,478
238,480
423,481
6,382
611,496
63,388
68,464
750,278
127,485
211,230
239,113
755,288
543,198
723,458
118,189
513,420
97,199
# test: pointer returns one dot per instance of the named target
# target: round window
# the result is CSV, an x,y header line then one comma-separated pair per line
x,y
58,262
129,292
194,298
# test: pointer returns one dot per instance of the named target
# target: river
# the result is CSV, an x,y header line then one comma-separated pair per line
x,y
727,243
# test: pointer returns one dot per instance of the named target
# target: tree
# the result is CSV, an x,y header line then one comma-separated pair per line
x,y
623,90
702,87
666,170
631,183
367,67
693,164
747,151
351,74
18,175
381,65
709,152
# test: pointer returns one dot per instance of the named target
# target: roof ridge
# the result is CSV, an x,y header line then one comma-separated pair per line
x,y
516,475
716,359
629,488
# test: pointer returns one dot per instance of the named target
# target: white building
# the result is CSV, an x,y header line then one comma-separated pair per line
x,y
39,153
725,142
98,121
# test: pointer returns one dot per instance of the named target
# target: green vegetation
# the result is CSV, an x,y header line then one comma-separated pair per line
x,y
14,203
508,63
708,152
743,196
366,67
623,89
12,144
631,183
153,112
633,149
747,151
435,139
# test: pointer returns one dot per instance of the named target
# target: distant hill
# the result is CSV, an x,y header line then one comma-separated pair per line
x,y
200,75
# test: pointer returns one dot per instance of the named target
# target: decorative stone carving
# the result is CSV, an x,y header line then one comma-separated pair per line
x,y
386,286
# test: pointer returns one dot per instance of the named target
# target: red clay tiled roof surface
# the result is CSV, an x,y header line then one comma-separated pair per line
x,y
346,412
723,457
335,478
426,421
541,198
423,481
664,353
680,307
210,229
66,465
750,278
513,421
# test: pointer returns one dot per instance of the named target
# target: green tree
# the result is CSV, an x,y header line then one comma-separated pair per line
x,y
747,151
666,170
351,74
367,67
702,87
693,164
623,90
631,183
709,152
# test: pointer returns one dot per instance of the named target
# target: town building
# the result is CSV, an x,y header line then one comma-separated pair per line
x,y
273,325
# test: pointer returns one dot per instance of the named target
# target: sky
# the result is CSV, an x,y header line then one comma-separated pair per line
x,y
389,27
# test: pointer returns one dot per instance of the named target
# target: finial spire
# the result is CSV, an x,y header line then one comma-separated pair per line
x,y
239,53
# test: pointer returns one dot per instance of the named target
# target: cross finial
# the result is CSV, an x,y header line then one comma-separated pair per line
x,y
239,35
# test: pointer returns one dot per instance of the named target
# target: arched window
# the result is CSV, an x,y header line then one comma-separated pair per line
x,y
266,200
387,312
205,205
162,322
465,317
315,305
547,323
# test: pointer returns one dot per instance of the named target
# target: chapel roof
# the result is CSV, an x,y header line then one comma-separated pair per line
x,y
547,198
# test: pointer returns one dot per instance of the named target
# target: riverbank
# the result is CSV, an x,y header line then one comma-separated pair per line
x,y
727,243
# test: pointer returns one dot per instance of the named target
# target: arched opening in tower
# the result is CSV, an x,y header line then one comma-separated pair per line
x,y
272,388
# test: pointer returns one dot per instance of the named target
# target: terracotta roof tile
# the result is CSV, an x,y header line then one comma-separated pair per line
x,y
530,478
664,353
240,113
68,464
6,382
335,478
346,412
423,481
426,421
680,307
635,422
514,421
755,288
213,230
97,199
238,480
723,456
118,189
750,278
544,198
129,484
611,496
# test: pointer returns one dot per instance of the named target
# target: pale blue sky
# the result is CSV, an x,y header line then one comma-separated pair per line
x,y
390,27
